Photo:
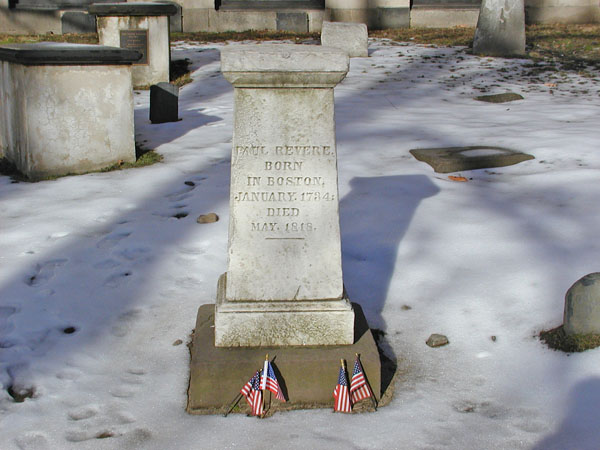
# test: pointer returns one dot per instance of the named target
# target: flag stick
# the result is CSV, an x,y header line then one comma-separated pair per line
x,y
366,381
233,404
264,374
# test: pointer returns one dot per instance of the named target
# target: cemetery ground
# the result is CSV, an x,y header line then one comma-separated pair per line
x,y
101,275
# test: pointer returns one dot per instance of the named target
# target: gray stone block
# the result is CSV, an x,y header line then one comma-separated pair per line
x,y
393,18
353,38
78,22
582,306
164,103
292,21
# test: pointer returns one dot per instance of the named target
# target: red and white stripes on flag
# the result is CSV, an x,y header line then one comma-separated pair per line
x,y
359,388
341,394
268,381
253,394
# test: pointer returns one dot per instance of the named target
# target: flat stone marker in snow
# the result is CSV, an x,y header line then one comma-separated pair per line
x,y
350,37
141,26
66,108
283,284
582,306
500,28
455,159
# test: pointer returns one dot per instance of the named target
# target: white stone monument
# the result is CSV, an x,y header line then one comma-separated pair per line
x,y
65,108
351,37
283,284
500,28
141,26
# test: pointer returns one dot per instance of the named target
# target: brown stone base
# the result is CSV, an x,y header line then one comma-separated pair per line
x,y
307,375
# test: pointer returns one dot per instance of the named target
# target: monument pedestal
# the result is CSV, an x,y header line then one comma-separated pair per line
x,y
268,323
307,374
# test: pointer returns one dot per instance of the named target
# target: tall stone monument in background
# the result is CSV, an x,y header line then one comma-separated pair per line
x,y
500,28
283,292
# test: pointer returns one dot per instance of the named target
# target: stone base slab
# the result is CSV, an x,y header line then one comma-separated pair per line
x,y
440,17
307,375
281,323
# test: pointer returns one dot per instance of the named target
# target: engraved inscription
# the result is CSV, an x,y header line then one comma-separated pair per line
x,y
135,40
292,182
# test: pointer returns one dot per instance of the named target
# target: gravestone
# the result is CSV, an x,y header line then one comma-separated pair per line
x,y
500,28
140,26
582,306
350,37
283,292
283,284
164,103
66,108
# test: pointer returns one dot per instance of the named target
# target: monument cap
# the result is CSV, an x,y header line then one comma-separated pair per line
x,y
133,9
283,65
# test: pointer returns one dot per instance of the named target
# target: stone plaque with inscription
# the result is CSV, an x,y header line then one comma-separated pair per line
x,y
283,284
135,40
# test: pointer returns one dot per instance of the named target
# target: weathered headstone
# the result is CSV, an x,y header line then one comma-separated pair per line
x,y
350,37
284,282
582,306
164,103
66,108
500,28
141,26
283,292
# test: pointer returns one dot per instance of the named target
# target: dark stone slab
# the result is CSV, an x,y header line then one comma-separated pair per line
x,y
59,53
307,375
292,21
393,18
455,159
78,22
133,9
271,5
500,98
164,98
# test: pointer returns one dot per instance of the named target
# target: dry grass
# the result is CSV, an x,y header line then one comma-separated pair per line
x,y
557,339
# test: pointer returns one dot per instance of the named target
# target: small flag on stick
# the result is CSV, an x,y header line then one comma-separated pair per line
x,y
253,394
268,381
341,394
359,388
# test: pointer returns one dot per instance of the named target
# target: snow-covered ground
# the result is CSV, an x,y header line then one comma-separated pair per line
x,y
102,253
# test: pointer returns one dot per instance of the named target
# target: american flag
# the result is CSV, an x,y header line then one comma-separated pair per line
x,y
268,381
359,388
253,394
341,394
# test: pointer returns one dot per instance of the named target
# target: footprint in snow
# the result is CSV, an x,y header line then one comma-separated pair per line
x,y
6,326
117,279
133,253
85,412
44,272
33,440
124,322
113,239
182,193
107,264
